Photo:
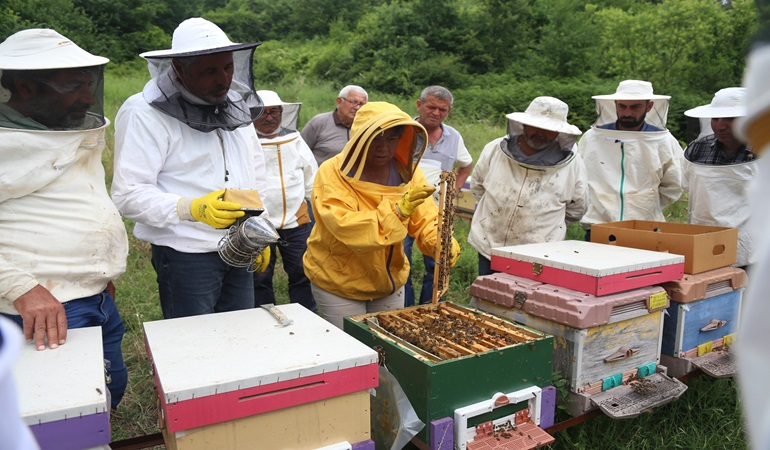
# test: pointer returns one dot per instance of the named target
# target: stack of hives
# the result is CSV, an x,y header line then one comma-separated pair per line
x,y
702,319
599,303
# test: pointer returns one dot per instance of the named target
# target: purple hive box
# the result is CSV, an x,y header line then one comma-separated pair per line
x,y
62,394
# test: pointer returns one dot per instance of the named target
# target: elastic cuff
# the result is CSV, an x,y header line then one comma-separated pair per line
x,y
183,209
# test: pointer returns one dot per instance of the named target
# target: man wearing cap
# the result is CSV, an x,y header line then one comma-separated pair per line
x,y
528,184
446,150
62,241
633,161
179,145
291,170
718,170
327,133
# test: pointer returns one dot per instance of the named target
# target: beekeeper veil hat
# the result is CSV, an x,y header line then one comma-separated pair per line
x,y
41,53
199,37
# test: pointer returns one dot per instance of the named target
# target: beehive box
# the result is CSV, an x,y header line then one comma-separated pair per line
x,y
600,343
692,288
62,393
437,385
702,322
703,247
588,267
231,377
466,203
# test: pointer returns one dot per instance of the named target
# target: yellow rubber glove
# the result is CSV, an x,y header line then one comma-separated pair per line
x,y
212,211
412,199
262,261
454,254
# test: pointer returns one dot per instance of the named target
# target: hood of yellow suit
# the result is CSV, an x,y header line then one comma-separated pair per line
x,y
372,119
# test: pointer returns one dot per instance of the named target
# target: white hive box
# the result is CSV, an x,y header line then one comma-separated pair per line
x,y
234,377
62,392
596,269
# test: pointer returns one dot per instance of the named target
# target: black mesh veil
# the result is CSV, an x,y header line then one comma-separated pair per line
x,y
166,93
68,98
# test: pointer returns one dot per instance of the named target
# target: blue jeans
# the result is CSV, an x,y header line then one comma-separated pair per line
x,y
191,284
292,250
99,311
426,292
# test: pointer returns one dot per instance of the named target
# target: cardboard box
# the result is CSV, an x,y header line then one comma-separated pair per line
x,y
703,247
62,393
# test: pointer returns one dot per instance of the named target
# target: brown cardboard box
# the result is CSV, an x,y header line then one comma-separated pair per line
x,y
703,247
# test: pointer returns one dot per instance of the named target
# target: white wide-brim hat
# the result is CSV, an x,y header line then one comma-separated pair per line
x,y
195,37
271,98
727,102
548,113
633,90
41,49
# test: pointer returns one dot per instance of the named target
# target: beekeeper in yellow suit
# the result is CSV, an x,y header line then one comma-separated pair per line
x,y
366,200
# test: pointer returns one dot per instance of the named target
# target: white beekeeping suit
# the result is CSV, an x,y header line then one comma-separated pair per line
x,y
753,352
631,174
717,181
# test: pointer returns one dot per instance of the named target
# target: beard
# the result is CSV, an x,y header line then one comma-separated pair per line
x,y
631,122
73,117
536,142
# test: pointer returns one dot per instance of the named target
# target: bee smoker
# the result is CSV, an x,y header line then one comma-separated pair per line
x,y
246,239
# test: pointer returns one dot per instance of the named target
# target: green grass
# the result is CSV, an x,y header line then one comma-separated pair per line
x,y
707,416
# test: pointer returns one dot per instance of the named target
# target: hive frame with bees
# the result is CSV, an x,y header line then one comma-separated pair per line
x,y
443,250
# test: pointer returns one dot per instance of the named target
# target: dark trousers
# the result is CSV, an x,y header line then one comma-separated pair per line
x,y
485,266
191,284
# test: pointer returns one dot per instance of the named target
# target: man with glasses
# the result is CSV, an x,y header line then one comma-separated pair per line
x,y
62,241
291,171
327,133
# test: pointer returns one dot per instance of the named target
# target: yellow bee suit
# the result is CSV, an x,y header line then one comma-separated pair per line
x,y
356,247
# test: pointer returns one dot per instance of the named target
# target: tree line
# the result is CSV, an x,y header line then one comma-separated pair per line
x,y
495,55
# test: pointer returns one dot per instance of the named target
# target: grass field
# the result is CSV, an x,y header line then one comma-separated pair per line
x,y
707,416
